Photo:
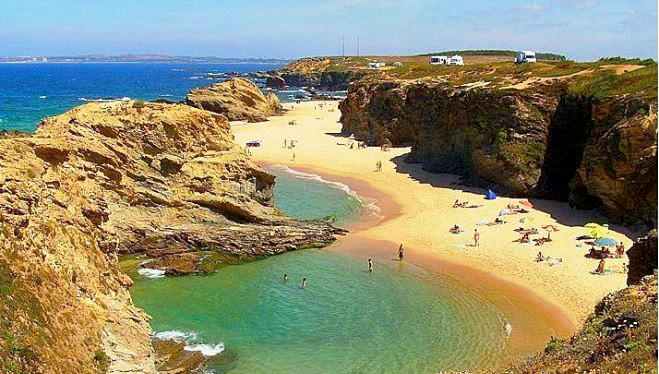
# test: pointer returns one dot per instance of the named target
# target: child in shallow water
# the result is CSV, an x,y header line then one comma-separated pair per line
x,y
370,265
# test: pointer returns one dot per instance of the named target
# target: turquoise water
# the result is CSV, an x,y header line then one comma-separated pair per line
x,y
307,196
345,321
398,320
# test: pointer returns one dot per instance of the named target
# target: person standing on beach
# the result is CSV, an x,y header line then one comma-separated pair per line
x,y
285,143
477,237
400,252
370,265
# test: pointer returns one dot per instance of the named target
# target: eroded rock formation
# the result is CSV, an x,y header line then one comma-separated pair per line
x,y
534,142
236,99
109,178
642,258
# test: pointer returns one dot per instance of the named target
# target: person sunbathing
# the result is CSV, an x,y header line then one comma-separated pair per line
x,y
455,229
524,239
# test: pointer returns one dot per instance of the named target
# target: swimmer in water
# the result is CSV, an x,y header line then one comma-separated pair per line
x,y
304,283
370,265
285,277
400,253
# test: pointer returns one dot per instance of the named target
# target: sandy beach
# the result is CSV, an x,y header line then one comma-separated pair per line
x,y
539,299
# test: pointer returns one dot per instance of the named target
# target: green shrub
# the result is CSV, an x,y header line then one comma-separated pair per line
x,y
101,360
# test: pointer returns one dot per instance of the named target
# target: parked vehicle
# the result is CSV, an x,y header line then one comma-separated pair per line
x,y
523,57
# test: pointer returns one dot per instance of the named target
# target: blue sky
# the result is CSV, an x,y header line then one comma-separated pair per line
x,y
581,29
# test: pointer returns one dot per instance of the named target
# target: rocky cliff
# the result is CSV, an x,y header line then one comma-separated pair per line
x,y
317,72
107,178
542,141
237,99
619,337
642,258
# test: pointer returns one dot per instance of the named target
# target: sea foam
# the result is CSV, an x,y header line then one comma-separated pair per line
x,y
369,204
206,349
151,273
190,338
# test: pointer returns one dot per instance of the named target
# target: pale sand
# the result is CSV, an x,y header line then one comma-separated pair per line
x,y
418,212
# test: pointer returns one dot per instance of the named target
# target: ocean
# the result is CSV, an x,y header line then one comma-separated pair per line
x,y
31,92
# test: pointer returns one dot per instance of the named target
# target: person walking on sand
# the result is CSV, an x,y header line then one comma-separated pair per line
x,y
477,237
293,159
285,142
400,252
304,283
370,265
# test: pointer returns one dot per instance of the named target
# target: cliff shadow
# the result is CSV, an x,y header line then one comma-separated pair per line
x,y
338,135
558,210
416,172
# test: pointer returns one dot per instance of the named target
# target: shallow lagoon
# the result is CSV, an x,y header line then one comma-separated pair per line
x,y
399,319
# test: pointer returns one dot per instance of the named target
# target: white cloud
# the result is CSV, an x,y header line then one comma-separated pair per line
x,y
533,8
581,4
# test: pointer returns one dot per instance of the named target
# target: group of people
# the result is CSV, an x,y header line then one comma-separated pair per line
x,y
302,285
401,255
604,252
378,166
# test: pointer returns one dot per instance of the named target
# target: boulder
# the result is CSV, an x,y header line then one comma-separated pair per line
x,y
237,99
275,81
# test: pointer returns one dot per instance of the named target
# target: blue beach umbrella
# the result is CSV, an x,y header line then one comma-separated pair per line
x,y
606,242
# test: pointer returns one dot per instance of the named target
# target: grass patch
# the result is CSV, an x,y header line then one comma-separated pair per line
x,y
608,84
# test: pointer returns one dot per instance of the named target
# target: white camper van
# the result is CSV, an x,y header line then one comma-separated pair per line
x,y
522,57
438,60
456,60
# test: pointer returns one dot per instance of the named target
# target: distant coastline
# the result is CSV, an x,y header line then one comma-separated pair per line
x,y
137,58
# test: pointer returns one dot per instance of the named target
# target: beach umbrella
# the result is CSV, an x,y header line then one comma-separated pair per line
x,y
606,242
527,203
599,231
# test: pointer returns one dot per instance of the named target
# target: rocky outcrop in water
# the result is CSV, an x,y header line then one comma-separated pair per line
x,y
534,142
237,99
111,178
